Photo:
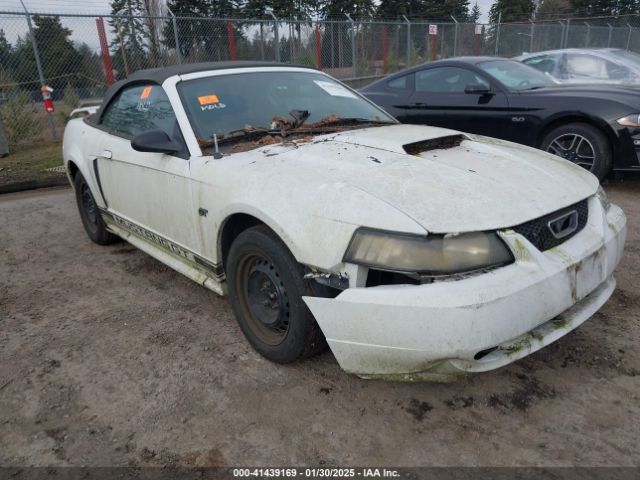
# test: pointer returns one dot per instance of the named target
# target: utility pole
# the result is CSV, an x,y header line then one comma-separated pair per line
x,y
36,53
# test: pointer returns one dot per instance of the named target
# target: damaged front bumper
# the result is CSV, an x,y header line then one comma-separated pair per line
x,y
441,330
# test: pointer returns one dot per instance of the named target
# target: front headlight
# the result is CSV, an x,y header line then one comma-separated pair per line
x,y
433,254
604,199
632,120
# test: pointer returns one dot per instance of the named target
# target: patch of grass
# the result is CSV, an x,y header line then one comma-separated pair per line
x,y
30,162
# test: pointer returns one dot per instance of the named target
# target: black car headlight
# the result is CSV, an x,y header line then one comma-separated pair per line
x,y
432,254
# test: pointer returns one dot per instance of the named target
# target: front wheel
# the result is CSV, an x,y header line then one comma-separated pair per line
x,y
266,286
581,144
90,214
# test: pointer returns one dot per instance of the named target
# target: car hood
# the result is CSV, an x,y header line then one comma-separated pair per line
x,y
453,183
627,93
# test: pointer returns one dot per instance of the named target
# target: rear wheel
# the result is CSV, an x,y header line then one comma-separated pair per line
x,y
581,144
90,214
266,286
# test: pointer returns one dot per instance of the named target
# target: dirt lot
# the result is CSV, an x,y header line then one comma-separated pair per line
x,y
107,357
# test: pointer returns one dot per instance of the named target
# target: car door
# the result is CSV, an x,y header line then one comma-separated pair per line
x,y
150,190
457,98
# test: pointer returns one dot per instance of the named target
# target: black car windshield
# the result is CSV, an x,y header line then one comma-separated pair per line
x,y
226,103
516,75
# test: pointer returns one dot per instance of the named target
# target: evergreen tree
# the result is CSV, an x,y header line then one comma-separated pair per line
x,y
59,58
475,14
511,10
550,9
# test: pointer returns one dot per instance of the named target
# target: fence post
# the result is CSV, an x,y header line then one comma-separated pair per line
x,y
478,35
408,40
354,53
36,53
318,47
532,32
232,41
562,35
610,32
629,36
498,33
588,41
176,37
385,49
104,49
455,37
276,39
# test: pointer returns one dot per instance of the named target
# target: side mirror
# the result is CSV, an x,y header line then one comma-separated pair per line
x,y
477,89
156,141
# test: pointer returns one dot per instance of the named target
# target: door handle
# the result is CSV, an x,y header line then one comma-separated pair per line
x,y
107,154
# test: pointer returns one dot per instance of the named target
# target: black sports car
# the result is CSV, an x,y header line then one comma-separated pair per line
x,y
595,126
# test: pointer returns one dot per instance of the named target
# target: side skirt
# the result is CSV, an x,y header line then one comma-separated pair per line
x,y
189,264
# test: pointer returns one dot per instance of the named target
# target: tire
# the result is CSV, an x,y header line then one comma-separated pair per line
x,y
573,142
90,215
266,286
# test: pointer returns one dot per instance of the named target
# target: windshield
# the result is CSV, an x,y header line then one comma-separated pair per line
x,y
516,75
226,103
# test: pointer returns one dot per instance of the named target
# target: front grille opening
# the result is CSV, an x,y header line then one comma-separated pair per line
x,y
539,234
483,353
440,143
375,278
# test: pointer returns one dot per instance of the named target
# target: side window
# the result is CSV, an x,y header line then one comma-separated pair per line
x,y
589,66
615,71
398,83
138,109
447,80
544,63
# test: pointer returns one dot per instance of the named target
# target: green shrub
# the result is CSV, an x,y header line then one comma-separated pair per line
x,y
70,96
20,122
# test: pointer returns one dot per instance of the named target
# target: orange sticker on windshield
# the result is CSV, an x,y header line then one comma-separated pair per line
x,y
208,99
145,93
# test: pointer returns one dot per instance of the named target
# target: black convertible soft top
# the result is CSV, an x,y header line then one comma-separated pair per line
x,y
159,75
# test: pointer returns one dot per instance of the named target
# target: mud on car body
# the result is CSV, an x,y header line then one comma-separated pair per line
x,y
414,252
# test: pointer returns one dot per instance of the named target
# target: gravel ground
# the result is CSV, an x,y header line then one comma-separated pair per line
x,y
107,357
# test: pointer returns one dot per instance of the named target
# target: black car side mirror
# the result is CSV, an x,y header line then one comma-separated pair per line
x,y
477,89
155,141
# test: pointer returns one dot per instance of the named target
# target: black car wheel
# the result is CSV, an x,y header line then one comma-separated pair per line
x,y
90,214
266,286
581,144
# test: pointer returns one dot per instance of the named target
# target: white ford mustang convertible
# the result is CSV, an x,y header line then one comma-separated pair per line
x,y
414,252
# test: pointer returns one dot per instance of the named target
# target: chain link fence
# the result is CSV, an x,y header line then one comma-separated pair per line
x,y
79,56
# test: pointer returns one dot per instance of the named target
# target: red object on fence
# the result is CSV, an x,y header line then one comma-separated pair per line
x,y
106,56
46,98
385,50
232,41
318,47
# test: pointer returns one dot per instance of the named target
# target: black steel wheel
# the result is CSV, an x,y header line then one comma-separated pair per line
x,y
90,213
581,144
266,286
